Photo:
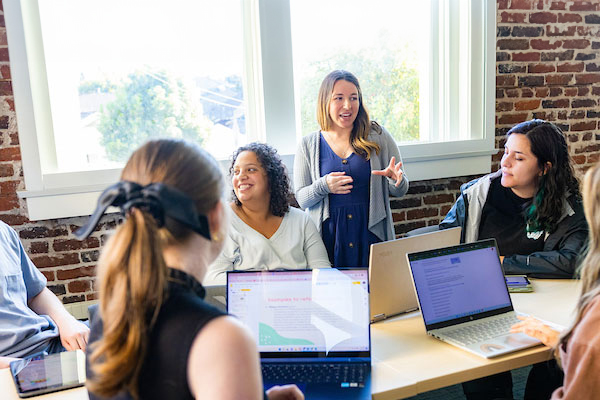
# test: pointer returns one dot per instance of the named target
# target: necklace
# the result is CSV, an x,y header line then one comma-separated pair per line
x,y
341,151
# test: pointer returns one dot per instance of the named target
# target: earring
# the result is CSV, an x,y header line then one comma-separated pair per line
x,y
216,237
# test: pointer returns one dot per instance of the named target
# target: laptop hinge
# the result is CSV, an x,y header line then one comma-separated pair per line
x,y
379,317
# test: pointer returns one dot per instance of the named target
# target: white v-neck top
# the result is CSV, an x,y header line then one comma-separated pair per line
x,y
295,245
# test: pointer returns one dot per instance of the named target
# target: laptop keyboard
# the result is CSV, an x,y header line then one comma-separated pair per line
x,y
482,330
347,374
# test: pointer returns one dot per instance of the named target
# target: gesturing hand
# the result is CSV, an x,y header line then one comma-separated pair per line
x,y
537,329
393,171
339,183
74,335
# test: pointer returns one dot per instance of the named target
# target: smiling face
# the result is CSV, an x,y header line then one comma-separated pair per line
x,y
249,178
520,169
343,105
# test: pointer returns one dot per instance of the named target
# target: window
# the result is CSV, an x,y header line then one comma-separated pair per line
x,y
91,87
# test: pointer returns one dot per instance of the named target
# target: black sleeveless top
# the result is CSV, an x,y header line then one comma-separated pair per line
x,y
181,317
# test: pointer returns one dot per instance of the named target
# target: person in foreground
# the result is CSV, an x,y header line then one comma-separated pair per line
x,y
265,232
155,337
531,206
33,319
340,173
578,347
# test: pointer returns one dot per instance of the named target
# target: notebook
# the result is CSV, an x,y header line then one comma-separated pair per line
x,y
311,328
464,299
390,282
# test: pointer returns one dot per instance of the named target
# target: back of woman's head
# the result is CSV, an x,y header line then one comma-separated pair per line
x,y
132,273
277,177
590,267
549,145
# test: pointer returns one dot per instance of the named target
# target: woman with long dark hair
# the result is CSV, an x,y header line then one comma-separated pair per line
x,y
345,173
532,207
155,337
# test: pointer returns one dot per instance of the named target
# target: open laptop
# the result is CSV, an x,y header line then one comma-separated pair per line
x,y
311,327
392,290
464,299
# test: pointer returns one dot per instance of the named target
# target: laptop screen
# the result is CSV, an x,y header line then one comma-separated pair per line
x,y
459,281
303,311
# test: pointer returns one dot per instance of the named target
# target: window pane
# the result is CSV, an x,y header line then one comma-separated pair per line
x,y
152,69
386,51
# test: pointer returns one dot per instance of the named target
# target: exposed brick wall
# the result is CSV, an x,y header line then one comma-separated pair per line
x,y
548,66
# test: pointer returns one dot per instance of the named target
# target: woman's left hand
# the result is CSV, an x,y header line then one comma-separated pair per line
x,y
393,171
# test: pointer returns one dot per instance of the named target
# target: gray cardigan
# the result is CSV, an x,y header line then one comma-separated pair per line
x,y
312,192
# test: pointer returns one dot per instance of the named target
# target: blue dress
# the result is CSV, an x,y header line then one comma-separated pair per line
x,y
345,233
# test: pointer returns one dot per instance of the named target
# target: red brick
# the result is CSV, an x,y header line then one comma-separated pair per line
x,y
57,260
49,275
72,244
14,139
5,86
511,17
6,170
530,56
583,126
502,4
420,213
577,114
504,106
584,6
14,219
571,91
527,105
80,272
38,247
38,232
541,44
542,92
542,18
570,67
526,92
583,103
583,91
506,81
573,138
512,44
521,4
79,286
559,79
596,90
5,72
589,30
513,93
511,119
10,153
576,44
552,30
540,68
565,18
580,159
561,103
4,58
8,203
587,136
399,216
558,5
593,158
73,299
8,187
588,149
585,79
93,296
438,199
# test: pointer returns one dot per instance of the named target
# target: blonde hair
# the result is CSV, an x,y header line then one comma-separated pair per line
x,y
132,273
590,267
362,125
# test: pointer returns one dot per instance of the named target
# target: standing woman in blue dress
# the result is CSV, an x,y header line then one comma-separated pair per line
x,y
345,173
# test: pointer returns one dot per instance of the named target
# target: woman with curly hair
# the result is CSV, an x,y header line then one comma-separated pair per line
x,y
532,207
345,173
266,233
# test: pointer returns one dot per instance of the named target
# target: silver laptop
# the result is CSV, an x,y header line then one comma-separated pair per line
x,y
392,290
464,299
311,328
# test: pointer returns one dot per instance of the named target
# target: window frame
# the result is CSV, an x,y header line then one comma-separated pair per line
x,y
269,89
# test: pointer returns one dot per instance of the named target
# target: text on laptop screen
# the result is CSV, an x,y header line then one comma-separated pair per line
x,y
318,310
457,284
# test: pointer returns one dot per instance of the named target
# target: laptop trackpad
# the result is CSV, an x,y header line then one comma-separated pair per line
x,y
504,344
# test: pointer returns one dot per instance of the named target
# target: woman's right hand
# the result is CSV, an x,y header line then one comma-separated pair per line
x,y
339,183
537,329
285,392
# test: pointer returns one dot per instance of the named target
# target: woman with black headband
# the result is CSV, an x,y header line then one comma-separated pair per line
x,y
155,337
